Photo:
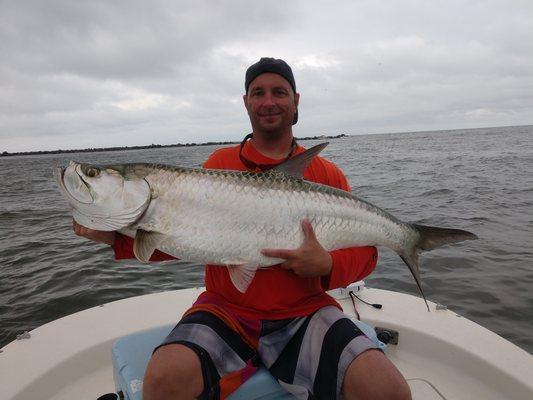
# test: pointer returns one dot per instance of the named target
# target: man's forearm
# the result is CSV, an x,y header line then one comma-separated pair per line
x,y
350,265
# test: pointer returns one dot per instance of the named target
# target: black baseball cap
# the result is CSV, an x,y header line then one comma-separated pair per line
x,y
268,64
275,66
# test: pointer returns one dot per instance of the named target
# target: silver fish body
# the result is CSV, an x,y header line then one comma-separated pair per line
x,y
227,217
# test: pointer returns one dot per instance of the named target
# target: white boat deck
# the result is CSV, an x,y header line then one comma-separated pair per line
x,y
442,355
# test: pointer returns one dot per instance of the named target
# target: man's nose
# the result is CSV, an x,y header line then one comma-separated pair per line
x,y
268,99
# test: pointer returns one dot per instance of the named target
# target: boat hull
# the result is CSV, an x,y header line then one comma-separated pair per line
x,y
438,352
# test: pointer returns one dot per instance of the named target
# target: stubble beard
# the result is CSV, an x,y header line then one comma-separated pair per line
x,y
271,132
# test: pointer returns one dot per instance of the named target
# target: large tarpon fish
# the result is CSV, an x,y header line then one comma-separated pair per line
x,y
227,217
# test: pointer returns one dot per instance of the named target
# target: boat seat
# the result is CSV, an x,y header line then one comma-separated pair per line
x,y
131,354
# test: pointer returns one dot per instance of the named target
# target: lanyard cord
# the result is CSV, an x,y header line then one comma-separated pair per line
x,y
252,166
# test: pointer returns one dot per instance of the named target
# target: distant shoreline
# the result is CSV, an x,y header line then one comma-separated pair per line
x,y
151,146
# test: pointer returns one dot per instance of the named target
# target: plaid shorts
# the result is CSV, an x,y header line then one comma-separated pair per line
x,y
307,355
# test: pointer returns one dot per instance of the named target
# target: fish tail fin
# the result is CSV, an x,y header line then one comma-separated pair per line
x,y
431,237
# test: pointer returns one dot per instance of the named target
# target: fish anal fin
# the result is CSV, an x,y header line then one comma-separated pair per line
x,y
295,166
145,244
411,261
241,275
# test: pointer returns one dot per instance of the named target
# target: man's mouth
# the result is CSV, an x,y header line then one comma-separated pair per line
x,y
269,115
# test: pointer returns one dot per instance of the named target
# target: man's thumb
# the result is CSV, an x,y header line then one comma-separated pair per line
x,y
307,228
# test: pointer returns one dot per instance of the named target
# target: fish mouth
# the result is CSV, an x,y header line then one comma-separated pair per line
x,y
59,172
59,176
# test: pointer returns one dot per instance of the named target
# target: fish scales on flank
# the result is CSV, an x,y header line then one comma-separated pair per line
x,y
226,217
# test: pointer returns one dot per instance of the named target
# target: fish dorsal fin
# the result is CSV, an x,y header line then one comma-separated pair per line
x,y
145,244
295,166
241,275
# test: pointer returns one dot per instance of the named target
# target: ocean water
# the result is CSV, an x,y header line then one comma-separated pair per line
x,y
480,180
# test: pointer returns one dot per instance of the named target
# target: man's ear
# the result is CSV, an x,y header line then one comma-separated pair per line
x,y
296,99
245,101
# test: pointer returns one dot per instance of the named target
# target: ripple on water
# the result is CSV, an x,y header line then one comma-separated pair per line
x,y
477,180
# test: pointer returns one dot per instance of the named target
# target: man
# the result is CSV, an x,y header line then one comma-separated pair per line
x,y
285,320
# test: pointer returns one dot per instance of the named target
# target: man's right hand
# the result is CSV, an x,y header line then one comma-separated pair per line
x,y
91,234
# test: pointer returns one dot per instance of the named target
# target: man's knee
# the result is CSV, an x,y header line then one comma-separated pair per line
x,y
371,375
174,370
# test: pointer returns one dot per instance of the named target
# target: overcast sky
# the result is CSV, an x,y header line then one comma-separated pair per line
x,y
77,74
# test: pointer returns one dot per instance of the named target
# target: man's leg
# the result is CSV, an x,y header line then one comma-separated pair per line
x,y
372,376
190,362
328,356
174,372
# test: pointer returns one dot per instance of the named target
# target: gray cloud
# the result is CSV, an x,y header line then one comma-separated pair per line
x,y
102,73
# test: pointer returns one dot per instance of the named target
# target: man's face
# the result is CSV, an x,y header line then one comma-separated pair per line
x,y
271,104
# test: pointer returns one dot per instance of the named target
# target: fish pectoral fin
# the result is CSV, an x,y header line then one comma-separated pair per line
x,y
145,244
241,275
295,166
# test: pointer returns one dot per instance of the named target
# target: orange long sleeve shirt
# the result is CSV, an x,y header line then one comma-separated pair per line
x,y
276,293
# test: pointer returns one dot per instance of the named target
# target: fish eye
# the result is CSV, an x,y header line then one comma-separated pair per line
x,y
92,172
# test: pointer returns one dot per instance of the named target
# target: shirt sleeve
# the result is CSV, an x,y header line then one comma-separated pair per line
x,y
353,263
123,248
213,161
350,265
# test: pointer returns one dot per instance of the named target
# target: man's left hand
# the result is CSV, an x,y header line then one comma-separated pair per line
x,y
309,260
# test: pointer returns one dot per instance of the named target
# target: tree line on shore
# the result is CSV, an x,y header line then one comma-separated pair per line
x,y
151,146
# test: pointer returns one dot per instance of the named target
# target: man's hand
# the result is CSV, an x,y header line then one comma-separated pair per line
x,y
309,260
91,234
